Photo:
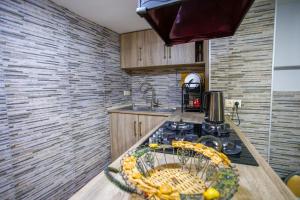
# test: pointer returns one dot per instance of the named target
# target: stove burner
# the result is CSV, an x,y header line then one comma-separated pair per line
x,y
218,130
169,135
220,137
191,137
231,148
211,141
179,126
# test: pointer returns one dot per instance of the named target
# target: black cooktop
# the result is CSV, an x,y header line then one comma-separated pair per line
x,y
194,132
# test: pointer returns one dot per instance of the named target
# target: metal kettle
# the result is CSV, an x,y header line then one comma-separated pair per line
x,y
213,106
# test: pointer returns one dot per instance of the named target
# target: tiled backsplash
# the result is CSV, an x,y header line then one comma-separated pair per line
x,y
166,83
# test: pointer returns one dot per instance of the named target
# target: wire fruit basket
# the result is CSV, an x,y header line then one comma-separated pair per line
x,y
193,171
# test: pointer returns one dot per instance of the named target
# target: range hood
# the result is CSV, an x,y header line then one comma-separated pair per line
x,y
182,21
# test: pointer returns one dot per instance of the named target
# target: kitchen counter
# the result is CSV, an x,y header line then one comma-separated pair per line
x,y
120,109
256,182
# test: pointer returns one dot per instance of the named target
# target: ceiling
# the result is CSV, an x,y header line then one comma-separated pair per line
x,y
117,15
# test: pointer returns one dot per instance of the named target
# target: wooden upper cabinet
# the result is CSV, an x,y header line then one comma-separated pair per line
x,y
154,49
181,54
132,47
146,49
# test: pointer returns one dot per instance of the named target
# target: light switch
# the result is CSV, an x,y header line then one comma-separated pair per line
x,y
126,93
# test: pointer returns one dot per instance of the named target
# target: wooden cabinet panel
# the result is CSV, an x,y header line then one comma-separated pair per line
x,y
147,49
124,133
132,47
181,54
147,123
155,51
127,129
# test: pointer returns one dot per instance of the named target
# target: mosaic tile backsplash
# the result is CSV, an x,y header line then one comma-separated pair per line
x,y
58,74
166,84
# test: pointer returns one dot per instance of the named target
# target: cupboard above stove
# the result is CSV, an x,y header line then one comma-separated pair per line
x,y
145,48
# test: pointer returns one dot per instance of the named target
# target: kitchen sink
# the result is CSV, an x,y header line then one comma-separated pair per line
x,y
145,108
159,109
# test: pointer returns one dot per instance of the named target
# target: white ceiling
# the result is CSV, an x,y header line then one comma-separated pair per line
x,y
117,15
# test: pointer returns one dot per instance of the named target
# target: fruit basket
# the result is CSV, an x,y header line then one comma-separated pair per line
x,y
193,171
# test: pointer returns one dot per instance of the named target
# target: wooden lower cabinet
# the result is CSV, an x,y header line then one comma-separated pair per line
x,y
123,130
127,129
147,123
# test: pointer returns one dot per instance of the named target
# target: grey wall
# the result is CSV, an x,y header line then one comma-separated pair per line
x,y
287,40
56,78
241,66
285,131
287,46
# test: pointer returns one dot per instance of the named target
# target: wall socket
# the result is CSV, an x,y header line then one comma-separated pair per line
x,y
126,93
229,103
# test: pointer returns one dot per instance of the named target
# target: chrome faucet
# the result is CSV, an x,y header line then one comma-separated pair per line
x,y
154,100
144,88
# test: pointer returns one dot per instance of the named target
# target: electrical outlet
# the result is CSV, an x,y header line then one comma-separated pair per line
x,y
126,93
229,103
239,101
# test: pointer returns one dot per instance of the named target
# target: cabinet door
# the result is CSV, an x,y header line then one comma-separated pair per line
x,y
181,54
155,52
147,123
132,49
124,133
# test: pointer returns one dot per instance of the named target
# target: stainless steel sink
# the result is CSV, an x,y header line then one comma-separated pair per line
x,y
145,108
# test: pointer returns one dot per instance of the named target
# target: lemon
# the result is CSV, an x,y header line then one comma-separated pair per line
x,y
211,193
137,175
294,184
153,145
165,189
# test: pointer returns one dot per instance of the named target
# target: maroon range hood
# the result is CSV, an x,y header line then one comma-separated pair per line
x,y
182,21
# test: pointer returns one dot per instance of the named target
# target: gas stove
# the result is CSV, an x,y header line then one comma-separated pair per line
x,y
219,136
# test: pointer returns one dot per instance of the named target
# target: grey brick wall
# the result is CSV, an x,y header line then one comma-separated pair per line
x,y
285,132
58,74
241,66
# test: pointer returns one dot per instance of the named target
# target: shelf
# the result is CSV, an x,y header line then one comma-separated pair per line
x,y
193,66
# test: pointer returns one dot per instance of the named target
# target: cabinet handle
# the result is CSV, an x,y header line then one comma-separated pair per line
x,y
164,52
170,52
134,128
140,54
140,128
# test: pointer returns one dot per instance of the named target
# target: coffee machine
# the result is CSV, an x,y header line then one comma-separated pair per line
x,y
192,90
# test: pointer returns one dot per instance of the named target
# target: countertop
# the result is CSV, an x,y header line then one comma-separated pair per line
x,y
256,182
119,109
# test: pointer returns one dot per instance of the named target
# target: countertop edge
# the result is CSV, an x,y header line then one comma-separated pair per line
x,y
262,162
118,109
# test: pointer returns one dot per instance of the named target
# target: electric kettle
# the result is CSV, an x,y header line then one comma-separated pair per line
x,y
213,106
